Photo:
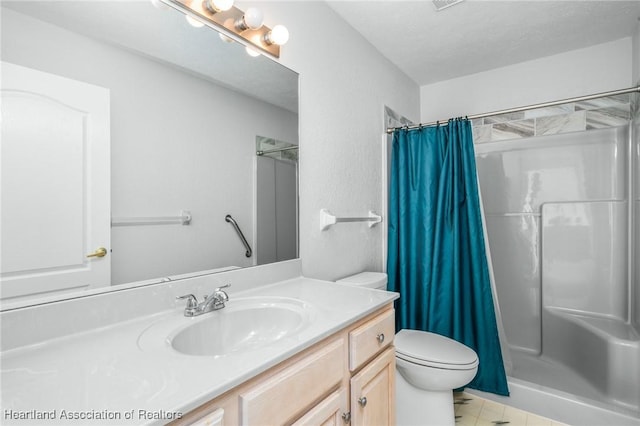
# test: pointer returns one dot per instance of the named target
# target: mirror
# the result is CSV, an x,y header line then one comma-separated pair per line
x,y
129,137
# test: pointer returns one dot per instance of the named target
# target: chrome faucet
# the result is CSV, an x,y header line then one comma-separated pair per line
x,y
213,302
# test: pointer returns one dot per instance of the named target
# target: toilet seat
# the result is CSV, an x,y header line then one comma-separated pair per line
x,y
434,350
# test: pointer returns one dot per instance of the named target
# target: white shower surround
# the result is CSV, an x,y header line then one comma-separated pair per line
x,y
557,215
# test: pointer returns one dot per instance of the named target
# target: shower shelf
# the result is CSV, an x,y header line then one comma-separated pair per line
x,y
327,219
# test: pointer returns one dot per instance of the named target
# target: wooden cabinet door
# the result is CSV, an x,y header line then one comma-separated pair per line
x,y
373,392
327,413
214,418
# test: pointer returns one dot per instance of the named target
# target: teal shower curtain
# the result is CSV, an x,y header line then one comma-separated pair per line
x,y
436,257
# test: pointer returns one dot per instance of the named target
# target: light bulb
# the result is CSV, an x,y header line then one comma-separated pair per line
x,y
278,35
194,22
159,5
253,18
225,38
215,6
252,52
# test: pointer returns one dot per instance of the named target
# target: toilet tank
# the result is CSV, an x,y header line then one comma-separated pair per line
x,y
377,280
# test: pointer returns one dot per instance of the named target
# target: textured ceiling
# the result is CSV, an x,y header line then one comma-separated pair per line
x,y
478,35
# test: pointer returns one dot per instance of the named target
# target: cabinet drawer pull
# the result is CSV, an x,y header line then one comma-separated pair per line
x,y
346,417
363,401
380,337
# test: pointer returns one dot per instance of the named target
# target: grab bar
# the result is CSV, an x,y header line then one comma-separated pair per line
x,y
233,222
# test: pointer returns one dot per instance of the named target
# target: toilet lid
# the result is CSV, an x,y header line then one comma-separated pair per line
x,y
434,350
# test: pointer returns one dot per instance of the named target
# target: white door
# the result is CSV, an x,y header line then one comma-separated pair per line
x,y
55,170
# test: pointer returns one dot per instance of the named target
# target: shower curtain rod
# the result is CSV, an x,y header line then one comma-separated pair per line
x,y
525,108
289,148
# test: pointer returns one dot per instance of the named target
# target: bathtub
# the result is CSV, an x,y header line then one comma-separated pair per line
x,y
560,406
588,375
604,351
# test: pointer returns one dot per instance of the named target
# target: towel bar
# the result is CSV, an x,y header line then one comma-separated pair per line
x,y
183,219
327,219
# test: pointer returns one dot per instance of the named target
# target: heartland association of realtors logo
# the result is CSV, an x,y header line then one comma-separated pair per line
x,y
90,415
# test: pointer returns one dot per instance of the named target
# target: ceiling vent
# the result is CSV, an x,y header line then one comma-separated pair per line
x,y
443,4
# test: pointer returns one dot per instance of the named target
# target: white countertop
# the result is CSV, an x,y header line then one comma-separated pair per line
x,y
112,375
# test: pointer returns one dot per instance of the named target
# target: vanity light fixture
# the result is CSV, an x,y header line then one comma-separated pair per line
x,y
232,23
215,6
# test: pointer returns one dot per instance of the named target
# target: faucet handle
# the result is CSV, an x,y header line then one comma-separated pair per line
x,y
192,301
192,305
223,294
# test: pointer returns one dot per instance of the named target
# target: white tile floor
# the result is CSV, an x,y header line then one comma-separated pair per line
x,y
472,410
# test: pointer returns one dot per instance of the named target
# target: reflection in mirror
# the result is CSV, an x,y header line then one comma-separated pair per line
x,y
276,200
127,138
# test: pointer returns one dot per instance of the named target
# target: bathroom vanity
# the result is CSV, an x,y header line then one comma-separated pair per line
x,y
347,377
284,349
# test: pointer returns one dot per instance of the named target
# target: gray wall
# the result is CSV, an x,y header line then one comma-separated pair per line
x,y
594,69
344,85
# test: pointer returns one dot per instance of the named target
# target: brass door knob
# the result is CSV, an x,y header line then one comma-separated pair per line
x,y
100,252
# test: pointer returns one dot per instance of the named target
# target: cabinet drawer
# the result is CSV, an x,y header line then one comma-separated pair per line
x,y
370,338
280,398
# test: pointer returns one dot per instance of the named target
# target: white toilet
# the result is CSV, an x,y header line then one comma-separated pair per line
x,y
428,367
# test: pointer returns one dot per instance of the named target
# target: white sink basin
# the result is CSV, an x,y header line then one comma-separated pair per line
x,y
245,324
